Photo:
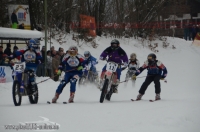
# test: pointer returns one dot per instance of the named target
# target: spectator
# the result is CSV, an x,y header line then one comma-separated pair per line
x,y
53,53
52,49
55,65
21,26
61,53
14,19
15,48
43,53
194,31
49,64
7,51
1,54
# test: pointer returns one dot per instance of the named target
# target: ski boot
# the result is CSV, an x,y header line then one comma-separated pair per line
x,y
55,98
157,97
71,98
139,97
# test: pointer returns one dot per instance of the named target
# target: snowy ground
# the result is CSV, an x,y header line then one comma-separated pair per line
x,y
178,111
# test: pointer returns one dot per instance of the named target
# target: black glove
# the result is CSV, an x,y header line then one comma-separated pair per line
x,y
132,68
123,68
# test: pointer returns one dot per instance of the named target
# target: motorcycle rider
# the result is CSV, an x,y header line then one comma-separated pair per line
x,y
32,57
115,54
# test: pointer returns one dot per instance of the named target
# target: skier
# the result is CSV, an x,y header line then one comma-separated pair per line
x,y
133,66
90,62
72,66
116,54
156,72
32,57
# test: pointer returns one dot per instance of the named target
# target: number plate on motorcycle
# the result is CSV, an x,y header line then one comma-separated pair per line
x,y
19,67
111,66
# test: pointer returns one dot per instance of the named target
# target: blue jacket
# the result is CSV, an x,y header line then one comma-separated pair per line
x,y
69,63
31,58
157,69
91,60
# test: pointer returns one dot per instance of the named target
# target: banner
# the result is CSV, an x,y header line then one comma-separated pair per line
x,y
197,40
5,74
88,22
22,13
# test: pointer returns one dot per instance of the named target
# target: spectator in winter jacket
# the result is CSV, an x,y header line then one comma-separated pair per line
x,y
14,19
1,54
49,64
194,31
55,65
7,51
156,72
15,48
52,49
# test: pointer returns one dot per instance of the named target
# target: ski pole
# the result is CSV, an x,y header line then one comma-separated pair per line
x,y
52,77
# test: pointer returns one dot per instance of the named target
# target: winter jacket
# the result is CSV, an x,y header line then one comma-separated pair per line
x,y
70,63
90,61
156,68
55,64
49,62
116,56
7,51
14,18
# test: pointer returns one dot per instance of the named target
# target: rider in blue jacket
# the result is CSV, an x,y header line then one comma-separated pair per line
x,y
32,57
72,66
90,62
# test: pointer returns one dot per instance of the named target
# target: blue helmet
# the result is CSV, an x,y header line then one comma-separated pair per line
x,y
32,44
87,54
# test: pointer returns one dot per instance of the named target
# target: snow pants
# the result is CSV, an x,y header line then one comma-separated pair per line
x,y
69,77
147,82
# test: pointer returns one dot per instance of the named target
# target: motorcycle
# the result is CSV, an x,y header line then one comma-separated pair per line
x,y
107,82
22,75
88,76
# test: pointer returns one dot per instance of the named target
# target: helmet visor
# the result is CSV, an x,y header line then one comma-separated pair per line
x,y
72,52
86,55
150,58
114,44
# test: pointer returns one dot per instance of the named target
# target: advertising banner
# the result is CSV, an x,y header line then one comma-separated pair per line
x,y
88,22
19,13
5,74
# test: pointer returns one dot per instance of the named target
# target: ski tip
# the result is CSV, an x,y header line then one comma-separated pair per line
x,y
132,100
48,102
64,102
151,100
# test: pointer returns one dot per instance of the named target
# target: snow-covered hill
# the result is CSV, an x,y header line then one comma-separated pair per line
x,y
178,111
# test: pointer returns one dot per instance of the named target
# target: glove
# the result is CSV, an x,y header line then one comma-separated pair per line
x,y
58,72
80,68
123,68
132,68
101,58
134,77
125,64
162,78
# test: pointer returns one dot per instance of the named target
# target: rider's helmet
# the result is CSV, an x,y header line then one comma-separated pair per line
x,y
32,44
87,54
72,51
133,57
114,44
151,57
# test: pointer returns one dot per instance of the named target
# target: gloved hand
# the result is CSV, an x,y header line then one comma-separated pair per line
x,y
58,72
162,78
101,58
132,68
80,68
125,64
123,68
134,77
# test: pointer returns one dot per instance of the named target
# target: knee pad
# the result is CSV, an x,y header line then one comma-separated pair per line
x,y
63,82
73,80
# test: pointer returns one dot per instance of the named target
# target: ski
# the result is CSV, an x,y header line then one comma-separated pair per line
x,y
48,102
134,100
153,100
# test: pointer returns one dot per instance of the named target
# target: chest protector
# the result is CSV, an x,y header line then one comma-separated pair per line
x,y
29,56
73,62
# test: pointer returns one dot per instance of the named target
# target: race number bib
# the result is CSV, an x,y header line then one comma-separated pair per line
x,y
73,62
19,67
111,66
